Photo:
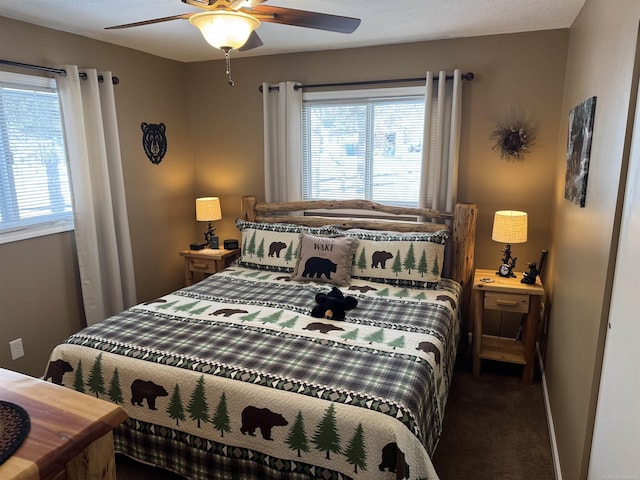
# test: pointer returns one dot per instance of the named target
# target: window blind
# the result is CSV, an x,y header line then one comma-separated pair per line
x,y
34,185
363,145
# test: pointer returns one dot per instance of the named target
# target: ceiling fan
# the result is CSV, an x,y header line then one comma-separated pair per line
x,y
231,24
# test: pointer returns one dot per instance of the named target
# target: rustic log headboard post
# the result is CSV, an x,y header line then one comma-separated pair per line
x,y
464,241
248,208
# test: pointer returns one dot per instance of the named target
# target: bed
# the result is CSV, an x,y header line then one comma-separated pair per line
x,y
232,378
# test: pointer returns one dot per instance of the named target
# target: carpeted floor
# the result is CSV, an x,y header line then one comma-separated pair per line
x,y
494,429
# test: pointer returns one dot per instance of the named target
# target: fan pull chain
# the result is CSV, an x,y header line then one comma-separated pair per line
x,y
227,59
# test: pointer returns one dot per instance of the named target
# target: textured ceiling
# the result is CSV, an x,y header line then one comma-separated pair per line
x,y
383,22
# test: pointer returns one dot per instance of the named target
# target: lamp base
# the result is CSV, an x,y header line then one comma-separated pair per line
x,y
210,237
508,263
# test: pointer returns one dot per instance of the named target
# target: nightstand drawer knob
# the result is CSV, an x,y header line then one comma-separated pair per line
x,y
200,265
506,303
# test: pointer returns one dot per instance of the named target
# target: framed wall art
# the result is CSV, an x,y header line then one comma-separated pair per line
x,y
581,120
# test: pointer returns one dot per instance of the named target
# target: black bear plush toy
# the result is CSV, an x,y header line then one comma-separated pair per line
x,y
333,305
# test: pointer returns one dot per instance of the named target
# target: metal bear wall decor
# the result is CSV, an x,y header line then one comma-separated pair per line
x,y
154,141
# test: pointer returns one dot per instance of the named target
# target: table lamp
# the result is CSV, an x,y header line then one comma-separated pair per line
x,y
509,226
208,210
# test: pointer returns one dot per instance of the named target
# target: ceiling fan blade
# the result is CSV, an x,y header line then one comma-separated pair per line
x,y
184,16
302,18
254,41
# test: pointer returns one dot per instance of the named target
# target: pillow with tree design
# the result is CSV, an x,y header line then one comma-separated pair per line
x,y
412,259
274,246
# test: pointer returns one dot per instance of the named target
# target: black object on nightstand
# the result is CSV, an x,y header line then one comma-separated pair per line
x,y
535,269
231,244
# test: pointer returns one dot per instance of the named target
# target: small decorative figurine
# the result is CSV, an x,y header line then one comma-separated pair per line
x,y
530,276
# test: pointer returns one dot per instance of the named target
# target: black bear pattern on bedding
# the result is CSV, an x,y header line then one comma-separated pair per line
x,y
261,418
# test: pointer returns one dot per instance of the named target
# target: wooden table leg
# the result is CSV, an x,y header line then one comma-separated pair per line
x,y
96,462
530,339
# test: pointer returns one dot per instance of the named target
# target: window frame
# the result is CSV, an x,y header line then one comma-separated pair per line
x,y
356,95
52,224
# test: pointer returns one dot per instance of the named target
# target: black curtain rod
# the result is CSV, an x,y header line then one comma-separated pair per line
x,y
465,76
58,71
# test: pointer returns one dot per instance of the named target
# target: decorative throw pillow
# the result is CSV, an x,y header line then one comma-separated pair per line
x,y
273,246
412,259
325,259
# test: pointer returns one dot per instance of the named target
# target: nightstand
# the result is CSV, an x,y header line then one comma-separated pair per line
x,y
206,261
505,295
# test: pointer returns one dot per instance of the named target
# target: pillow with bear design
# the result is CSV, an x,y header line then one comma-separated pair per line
x,y
273,246
325,259
411,259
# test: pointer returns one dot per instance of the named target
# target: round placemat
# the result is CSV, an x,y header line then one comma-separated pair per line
x,y
14,428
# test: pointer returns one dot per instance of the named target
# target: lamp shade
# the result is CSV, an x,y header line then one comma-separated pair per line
x,y
208,209
224,28
509,226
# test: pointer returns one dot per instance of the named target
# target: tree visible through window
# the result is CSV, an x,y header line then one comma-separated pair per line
x,y
369,148
34,185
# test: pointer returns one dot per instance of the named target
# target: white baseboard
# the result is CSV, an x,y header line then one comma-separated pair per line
x,y
550,426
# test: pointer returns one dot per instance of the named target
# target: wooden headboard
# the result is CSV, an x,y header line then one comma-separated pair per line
x,y
375,216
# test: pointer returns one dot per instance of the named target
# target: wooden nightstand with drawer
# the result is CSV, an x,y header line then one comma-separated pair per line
x,y
206,261
505,295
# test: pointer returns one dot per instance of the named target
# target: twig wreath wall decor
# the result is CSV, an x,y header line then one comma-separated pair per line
x,y
513,140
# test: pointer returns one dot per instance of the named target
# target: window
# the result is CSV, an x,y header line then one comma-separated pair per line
x,y
34,181
364,144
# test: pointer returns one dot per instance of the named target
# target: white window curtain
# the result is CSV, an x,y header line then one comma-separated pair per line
x,y
103,242
282,107
441,142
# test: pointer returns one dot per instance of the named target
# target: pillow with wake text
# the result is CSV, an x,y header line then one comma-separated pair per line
x,y
325,259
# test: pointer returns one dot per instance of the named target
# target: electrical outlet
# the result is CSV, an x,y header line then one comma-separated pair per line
x,y
17,349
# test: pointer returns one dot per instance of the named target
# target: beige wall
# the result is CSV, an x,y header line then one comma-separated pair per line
x,y
521,73
516,75
600,63
39,296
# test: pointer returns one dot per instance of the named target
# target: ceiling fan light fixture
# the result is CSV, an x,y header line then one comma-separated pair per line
x,y
224,28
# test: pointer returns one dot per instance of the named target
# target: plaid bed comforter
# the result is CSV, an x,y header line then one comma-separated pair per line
x,y
232,379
